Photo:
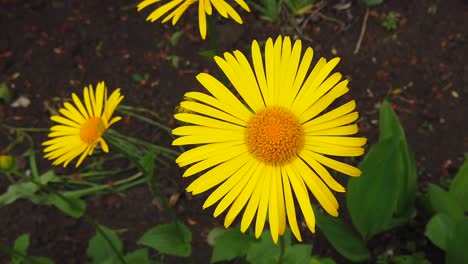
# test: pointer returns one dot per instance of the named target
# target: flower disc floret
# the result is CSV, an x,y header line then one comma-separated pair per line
x,y
274,135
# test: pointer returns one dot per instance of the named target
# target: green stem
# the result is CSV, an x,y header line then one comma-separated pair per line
x,y
87,191
85,216
282,245
149,121
10,179
27,129
212,34
146,144
13,252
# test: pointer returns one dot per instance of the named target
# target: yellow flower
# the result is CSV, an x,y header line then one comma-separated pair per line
x,y
81,127
260,152
205,7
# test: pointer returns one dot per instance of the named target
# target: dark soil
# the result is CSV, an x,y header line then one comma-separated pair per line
x,y
49,49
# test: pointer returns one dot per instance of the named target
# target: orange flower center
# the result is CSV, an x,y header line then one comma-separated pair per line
x,y
92,130
274,135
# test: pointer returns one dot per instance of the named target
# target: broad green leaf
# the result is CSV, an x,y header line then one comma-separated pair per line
x,y
373,2
171,239
214,234
342,237
17,191
390,128
371,198
317,260
444,202
456,251
139,256
5,93
21,246
99,249
49,176
231,244
438,229
459,186
73,206
263,251
297,254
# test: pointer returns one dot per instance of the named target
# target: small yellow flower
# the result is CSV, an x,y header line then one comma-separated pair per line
x,y
205,7
81,127
261,151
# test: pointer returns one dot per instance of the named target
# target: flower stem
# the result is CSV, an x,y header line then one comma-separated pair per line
x,y
97,188
212,34
282,246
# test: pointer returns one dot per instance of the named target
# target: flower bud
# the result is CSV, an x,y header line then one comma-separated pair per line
x,y
7,163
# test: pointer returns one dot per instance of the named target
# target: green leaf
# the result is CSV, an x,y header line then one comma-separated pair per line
x,y
390,128
444,202
342,238
137,77
231,244
459,186
175,38
5,93
438,229
175,61
17,191
373,2
73,206
299,7
100,251
146,164
214,234
43,260
317,260
371,198
456,243
21,246
139,256
171,239
270,9
264,251
208,53
297,254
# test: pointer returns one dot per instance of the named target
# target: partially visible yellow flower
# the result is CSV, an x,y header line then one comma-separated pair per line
x,y
262,152
81,127
205,7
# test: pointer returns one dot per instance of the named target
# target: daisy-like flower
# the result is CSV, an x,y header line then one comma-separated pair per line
x,y
260,152
205,7
80,127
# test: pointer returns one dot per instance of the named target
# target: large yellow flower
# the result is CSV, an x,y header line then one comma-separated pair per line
x,y
205,7
81,127
261,151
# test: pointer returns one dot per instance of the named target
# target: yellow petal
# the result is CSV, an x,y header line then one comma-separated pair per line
x,y
290,208
337,165
239,150
218,174
201,19
321,171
